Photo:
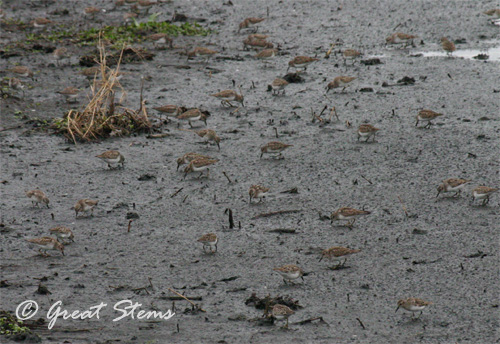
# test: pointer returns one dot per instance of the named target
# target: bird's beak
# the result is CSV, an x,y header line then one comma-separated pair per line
x,y
438,194
321,258
396,309
218,145
178,165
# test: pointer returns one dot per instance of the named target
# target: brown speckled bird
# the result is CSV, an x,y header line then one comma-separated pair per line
x,y
85,205
348,214
188,157
274,147
290,272
338,254
46,244
199,165
413,305
62,233
399,37
193,115
452,185
227,96
112,157
209,135
252,21
367,130
209,241
350,54
278,85
301,62
160,39
257,191
483,192
448,46
340,81
427,116
201,51
280,312
37,197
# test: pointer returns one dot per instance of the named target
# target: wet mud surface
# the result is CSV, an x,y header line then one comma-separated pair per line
x,y
452,264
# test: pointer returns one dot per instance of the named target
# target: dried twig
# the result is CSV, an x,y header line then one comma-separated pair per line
x,y
188,300
333,111
175,193
231,220
178,298
368,180
279,212
404,207
327,55
227,177
129,225
283,230
361,323
307,321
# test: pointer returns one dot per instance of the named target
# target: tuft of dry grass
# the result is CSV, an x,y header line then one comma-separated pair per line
x,y
100,119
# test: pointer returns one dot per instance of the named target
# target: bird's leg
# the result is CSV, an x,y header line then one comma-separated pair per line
x,y
208,172
191,125
367,138
345,260
359,137
416,124
201,174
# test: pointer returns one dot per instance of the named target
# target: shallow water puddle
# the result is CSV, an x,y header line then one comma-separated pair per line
x,y
493,53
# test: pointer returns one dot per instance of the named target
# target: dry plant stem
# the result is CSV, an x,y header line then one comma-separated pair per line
x,y
225,175
279,212
98,119
188,300
129,225
403,205
368,180
175,193
307,321
361,323
230,215
329,50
